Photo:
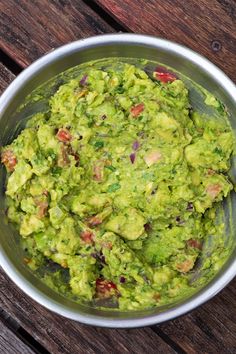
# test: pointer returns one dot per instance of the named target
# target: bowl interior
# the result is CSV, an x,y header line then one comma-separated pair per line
x,y
42,79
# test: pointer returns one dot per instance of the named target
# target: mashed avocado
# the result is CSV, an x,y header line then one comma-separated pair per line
x,y
116,185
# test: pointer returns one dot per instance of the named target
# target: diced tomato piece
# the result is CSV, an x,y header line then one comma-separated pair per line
x,y
107,244
105,288
87,236
185,266
42,205
164,77
98,171
157,297
42,209
94,221
210,172
194,244
152,157
213,190
9,160
64,135
136,110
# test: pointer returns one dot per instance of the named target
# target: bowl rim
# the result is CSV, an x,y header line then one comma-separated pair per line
x,y
215,284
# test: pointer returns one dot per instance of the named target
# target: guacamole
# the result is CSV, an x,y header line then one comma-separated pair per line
x,y
115,187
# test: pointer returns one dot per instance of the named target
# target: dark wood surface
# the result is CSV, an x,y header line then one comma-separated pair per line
x,y
28,29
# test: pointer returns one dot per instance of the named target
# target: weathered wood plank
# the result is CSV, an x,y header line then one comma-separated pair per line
x,y
60,335
28,29
10,343
209,27
6,77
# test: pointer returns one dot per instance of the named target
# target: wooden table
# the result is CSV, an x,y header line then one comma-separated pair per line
x,y
30,28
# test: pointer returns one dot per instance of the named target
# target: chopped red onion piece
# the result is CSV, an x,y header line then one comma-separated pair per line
x,y
179,220
83,81
147,227
132,157
135,145
99,256
122,279
190,207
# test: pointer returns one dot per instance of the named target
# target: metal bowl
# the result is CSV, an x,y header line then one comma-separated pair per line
x,y
187,63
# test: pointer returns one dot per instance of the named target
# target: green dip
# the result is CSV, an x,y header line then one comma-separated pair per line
x,y
116,185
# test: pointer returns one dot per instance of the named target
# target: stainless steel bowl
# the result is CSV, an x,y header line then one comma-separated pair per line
x,y
183,60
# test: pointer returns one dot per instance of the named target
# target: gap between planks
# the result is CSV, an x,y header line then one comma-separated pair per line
x,y
110,20
10,63
13,326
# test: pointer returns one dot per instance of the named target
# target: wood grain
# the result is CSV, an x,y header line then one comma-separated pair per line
x,y
6,77
208,27
10,343
28,29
